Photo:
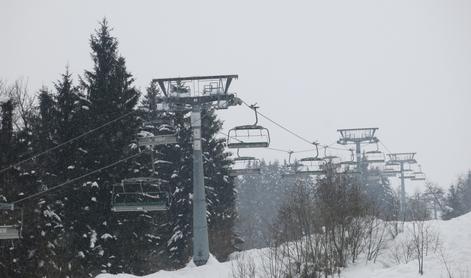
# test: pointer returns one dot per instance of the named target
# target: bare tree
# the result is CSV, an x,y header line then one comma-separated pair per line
x,y
435,195
243,266
23,101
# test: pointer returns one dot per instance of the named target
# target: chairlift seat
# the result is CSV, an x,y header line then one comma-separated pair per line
x,y
164,139
418,176
311,159
149,180
9,232
139,194
389,173
348,163
310,172
374,157
314,167
150,201
245,165
244,172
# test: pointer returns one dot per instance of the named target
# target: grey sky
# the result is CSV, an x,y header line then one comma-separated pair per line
x,y
315,66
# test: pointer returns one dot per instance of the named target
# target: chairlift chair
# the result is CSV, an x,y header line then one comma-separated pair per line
x,y
419,175
244,166
139,194
349,167
408,169
375,156
350,162
312,165
390,172
157,132
249,136
11,222
331,159
289,169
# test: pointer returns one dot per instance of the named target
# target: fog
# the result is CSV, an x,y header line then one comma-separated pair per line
x,y
313,66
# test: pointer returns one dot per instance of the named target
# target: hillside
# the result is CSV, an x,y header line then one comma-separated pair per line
x,y
455,245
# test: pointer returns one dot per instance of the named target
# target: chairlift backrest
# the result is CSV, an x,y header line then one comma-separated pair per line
x,y
139,194
245,165
248,136
11,221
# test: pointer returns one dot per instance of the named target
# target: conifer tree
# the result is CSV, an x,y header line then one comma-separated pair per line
x,y
110,93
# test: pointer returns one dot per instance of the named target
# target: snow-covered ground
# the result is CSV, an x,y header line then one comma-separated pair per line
x,y
454,235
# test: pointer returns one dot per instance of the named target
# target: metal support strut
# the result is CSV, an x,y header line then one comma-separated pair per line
x,y
200,226
402,205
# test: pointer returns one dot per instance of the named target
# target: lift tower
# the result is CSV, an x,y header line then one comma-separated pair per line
x,y
402,159
192,94
358,136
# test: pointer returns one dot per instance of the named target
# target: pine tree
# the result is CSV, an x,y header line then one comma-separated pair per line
x,y
110,94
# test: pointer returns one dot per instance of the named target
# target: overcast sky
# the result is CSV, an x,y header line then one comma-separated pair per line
x,y
314,66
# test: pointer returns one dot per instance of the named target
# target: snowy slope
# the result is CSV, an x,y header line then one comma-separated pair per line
x,y
455,236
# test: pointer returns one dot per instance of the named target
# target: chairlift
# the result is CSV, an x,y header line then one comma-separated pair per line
x,y
244,166
289,169
408,169
390,171
249,136
349,167
157,132
331,159
11,222
373,178
375,156
312,165
419,175
139,194
351,161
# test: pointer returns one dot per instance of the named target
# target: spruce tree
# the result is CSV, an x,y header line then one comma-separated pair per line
x,y
109,90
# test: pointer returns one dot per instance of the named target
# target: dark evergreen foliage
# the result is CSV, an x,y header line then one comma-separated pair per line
x,y
72,231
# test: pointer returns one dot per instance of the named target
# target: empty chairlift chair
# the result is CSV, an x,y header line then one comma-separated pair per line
x,y
375,156
289,169
349,167
157,132
390,171
331,161
313,165
11,221
249,136
245,166
419,175
139,194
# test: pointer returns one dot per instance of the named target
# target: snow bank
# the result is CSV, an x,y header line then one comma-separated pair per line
x,y
455,236
212,269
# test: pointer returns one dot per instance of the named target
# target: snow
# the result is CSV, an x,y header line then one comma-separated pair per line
x,y
454,235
